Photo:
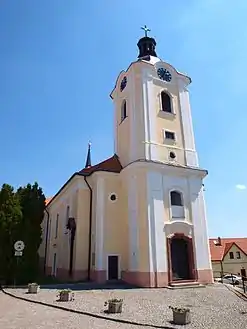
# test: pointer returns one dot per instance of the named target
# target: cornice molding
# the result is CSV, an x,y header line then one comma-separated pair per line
x,y
169,169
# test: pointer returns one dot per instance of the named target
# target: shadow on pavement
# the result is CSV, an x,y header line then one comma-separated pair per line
x,y
83,286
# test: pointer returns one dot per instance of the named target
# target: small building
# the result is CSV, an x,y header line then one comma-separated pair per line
x,y
138,216
228,256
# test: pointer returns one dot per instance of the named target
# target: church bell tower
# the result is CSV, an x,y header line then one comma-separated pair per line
x,y
154,140
152,111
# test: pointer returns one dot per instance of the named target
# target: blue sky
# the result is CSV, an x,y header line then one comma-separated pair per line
x,y
58,64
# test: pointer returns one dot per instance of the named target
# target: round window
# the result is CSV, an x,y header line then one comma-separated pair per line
x,y
172,155
113,197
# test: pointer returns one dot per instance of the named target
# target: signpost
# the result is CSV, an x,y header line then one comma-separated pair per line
x,y
18,253
19,247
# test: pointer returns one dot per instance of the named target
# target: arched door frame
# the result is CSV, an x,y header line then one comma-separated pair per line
x,y
192,269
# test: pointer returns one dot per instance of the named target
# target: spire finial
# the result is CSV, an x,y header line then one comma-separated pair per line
x,y
146,30
88,161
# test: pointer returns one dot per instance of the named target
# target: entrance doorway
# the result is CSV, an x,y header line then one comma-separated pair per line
x,y
181,260
113,267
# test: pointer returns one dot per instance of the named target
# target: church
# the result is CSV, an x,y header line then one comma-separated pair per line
x,y
138,216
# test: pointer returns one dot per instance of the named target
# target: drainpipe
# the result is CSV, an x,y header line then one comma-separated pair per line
x,y
90,228
46,238
72,239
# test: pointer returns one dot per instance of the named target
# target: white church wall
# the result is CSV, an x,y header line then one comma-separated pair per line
x,y
149,116
80,204
110,221
133,224
200,238
156,236
99,225
161,225
180,184
59,244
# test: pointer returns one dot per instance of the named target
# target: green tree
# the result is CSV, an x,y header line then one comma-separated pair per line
x,y
10,219
21,214
32,201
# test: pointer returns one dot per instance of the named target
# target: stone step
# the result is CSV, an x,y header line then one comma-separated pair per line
x,y
185,285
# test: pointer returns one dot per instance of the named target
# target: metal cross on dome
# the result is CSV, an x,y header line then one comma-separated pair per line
x,y
146,30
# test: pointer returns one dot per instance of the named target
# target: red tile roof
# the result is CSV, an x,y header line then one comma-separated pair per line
x,y
218,252
112,165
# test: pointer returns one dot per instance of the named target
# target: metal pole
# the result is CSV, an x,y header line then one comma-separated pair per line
x,y
15,271
243,279
232,280
17,268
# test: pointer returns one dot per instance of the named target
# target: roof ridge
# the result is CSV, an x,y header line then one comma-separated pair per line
x,y
111,164
222,239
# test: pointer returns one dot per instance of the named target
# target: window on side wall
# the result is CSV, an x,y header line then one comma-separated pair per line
x,y
231,255
166,102
170,135
67,213
56,227
93,259
67,220
177,205
176,198
238,255
123,110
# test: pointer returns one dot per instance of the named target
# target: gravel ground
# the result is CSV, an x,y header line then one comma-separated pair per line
x,y
213,307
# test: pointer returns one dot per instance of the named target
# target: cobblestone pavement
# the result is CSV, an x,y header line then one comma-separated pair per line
x,y
18,314
213,307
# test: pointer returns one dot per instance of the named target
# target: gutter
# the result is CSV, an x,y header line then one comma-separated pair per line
x,y
72,240
90,228
46,238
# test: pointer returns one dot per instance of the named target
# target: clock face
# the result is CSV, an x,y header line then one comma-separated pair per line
x,y
123,84
164,74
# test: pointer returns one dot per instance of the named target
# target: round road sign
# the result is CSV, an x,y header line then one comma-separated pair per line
x,y
19,245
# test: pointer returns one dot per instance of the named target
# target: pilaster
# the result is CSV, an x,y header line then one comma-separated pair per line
x,y
133,226
201,244
149,116
156,234
132,117
188,133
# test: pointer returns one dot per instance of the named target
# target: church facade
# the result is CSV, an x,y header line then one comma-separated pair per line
x,y
138,216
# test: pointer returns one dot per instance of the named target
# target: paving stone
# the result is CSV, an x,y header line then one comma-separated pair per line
x,y
213,307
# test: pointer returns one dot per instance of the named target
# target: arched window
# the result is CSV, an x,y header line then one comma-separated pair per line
x,y
56,226
166,102
67,213
176,199
67,219
177,204
123,110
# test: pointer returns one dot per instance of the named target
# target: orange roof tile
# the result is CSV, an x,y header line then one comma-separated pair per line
x,y
48,200
218,252
112,165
